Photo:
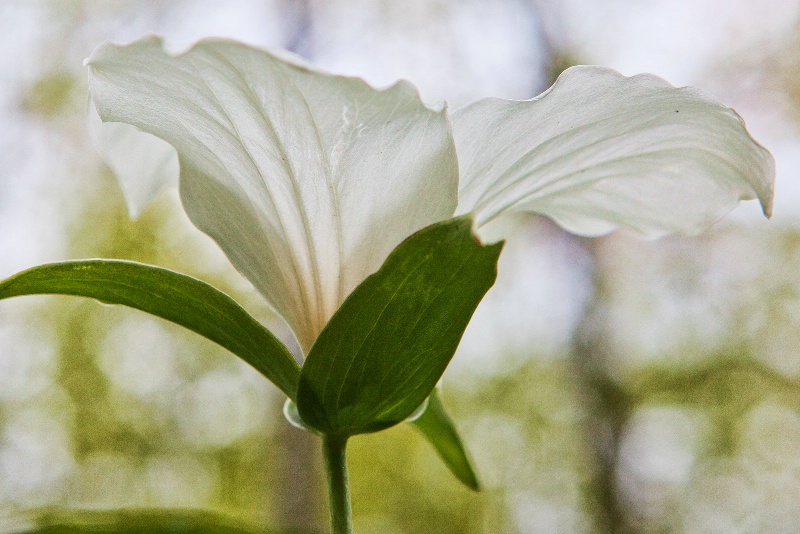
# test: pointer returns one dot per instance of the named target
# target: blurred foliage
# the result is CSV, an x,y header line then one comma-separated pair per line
x,y
50,95
677,409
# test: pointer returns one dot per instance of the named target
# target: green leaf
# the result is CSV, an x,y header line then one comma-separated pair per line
x,y
441,432
382,353
172,296
136,521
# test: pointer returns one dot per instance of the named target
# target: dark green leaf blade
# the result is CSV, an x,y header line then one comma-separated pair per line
x,y
441,432
175,297
382,353
135,521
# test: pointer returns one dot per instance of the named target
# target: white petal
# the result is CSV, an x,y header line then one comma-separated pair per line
x,y
306,180
144,164
599,150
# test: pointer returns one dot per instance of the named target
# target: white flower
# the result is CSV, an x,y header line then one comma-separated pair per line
x,y
308,180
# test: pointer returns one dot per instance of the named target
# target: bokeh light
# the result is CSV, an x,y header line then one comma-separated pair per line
x,y
606,385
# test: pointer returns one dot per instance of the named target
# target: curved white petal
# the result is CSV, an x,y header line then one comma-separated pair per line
x,y
599,150
306,180
144,164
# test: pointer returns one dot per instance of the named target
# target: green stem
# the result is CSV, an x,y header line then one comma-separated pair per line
x,y
338,488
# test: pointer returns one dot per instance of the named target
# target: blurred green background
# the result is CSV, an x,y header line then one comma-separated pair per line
x,y
606,385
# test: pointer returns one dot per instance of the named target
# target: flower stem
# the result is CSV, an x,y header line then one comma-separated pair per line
x,y
338,487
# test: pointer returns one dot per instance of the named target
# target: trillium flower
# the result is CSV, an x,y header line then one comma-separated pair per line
x,y
308,180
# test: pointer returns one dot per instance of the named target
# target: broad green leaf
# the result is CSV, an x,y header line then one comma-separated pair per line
x,y
599,150
441,432
382,353
172,296
135,521
306,180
